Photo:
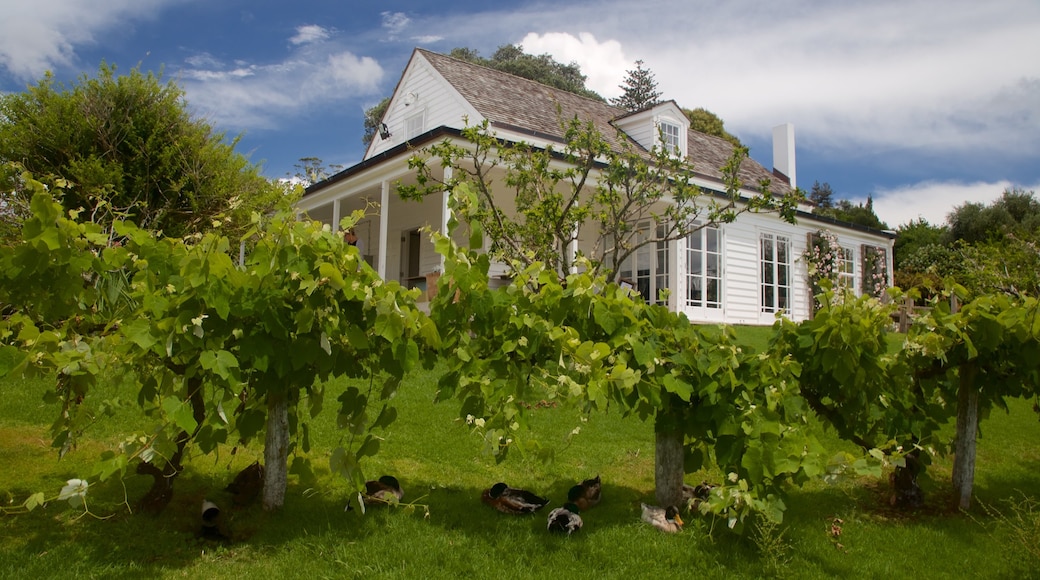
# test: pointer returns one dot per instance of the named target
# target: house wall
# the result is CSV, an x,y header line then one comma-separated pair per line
x,y
741,267
440,104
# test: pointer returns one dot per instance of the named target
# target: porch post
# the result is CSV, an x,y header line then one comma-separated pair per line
x,y
384,222
676,279
445,199
335,215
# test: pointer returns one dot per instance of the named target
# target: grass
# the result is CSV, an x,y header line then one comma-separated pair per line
x,y
437,459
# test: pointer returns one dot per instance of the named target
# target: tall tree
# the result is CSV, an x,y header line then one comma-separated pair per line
x,y
373,118
126,146
821,195
709,123
311,170
551,205
639,89
543,68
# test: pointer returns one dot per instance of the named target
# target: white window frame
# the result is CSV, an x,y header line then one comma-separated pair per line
x,y
671,136
775,272
648,269
847,270
704,288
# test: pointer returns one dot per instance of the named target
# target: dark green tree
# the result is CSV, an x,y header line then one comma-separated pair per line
x,y
543,68
126,146
1016,212
639,89
709,123
821,195
860,213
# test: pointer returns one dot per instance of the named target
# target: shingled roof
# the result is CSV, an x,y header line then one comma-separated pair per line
x,y
515,103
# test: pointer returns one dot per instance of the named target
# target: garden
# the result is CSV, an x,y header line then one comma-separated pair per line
x,y
142,374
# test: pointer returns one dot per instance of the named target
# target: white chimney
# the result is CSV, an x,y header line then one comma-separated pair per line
x,y
783,152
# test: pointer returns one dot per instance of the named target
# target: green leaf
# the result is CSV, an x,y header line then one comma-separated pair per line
x,y
10,358
180,413
331,272
34,501
139,331
370,448
387,416
220,362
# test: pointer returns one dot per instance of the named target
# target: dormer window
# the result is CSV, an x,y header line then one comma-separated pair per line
x,y
670,138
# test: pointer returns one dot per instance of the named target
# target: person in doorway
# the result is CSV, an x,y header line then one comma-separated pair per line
x,y
352,239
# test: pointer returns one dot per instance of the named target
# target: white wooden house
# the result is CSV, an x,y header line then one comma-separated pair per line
x,y
740,273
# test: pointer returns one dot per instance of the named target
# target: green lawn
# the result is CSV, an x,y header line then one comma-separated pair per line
x,y
438,462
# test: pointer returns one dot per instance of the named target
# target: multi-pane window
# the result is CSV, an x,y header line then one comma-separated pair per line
x,y
846,270
775,251
704,268
670,137
647,268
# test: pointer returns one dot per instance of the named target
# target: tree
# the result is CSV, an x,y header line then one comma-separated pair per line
x,y
861,213
311,170
987,249
1016,212
126,146
373,119
639,89
587,343
543,68
552,205
709,123
210,349
821,195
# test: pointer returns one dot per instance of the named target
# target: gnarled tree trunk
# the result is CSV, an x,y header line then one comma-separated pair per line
x,y
668,460
276,451
967,428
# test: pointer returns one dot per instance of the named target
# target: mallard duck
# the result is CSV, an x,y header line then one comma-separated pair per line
x,y
512,501
247,484
664,519
565,520
384,490
694,495
586,494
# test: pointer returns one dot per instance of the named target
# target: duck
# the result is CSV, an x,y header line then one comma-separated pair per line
x,y
586,494
385,490
664,519
247,484
693,496
510,500
565,520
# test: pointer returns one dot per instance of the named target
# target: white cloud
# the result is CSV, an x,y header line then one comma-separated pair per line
x,y
604,63
309,33
876,75
394,23
264,96
427,39
933,200
42,35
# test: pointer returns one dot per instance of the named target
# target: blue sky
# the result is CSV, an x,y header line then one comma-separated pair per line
x,y
922,104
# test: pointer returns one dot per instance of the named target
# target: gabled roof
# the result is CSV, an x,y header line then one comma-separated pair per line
x,y
525,106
